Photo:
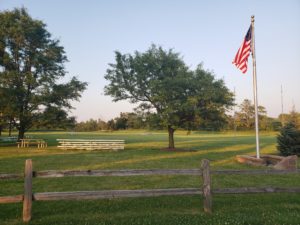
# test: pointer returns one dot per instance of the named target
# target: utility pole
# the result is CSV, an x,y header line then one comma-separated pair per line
x,y
282,116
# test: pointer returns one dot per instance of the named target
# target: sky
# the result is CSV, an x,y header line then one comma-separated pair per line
x,y
208,32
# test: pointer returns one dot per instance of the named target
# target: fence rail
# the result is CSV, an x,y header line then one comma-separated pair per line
x,y
105,173
80,195
206,191
11,199
252,190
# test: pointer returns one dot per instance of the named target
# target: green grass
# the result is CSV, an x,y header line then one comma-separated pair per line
x,y
142,151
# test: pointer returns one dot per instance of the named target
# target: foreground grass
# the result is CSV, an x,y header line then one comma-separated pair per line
x,y
243,209
142,152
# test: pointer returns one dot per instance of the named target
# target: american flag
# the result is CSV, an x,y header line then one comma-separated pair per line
x,y
241,58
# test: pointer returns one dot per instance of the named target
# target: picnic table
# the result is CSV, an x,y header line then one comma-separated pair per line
x,y
40,143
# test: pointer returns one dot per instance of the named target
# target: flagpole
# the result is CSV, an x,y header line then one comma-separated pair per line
x,y
255,86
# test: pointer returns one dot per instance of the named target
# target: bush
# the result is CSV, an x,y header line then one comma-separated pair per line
x,y
289,140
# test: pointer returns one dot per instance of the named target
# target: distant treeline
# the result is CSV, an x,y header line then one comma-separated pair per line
x,y
242,119
124,121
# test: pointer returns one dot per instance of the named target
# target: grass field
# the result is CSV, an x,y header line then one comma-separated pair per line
x,y
142,151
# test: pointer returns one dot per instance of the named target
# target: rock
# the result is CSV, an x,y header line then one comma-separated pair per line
x,y
287,163
277,162
272,159
250,160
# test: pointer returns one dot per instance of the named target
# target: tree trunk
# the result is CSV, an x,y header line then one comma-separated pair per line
x,y
10,128
21,132
171,137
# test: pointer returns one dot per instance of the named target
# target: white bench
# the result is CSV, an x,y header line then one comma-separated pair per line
x,y
9,139
91,144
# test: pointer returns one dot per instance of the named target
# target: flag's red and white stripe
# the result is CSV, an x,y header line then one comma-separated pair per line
x,y
241,58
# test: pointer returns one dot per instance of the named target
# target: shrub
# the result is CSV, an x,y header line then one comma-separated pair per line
x,y
289,140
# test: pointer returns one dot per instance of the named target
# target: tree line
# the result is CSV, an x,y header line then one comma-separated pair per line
x,y
241,120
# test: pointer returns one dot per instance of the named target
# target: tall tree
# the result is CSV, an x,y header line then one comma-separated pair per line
x,y
245,118
31,64
159,79
7,114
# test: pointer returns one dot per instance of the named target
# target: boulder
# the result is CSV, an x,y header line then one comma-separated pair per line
x,y
272,159
287,163
250,160
277,162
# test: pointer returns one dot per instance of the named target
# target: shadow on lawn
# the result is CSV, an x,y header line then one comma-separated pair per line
x,y
217,156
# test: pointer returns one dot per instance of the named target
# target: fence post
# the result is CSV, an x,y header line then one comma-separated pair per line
x,y
207,197
27,202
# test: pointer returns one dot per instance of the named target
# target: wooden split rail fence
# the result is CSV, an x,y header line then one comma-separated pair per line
x,y
205,190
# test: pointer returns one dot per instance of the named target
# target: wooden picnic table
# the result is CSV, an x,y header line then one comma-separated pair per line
x,y
32,141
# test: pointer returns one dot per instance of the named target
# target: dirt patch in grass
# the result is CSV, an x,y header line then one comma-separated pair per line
x,y
177,150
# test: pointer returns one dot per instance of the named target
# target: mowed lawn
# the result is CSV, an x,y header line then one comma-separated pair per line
x,y
143,151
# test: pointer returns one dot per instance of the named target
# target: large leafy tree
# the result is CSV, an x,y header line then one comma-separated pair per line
x,y
31,65
159,80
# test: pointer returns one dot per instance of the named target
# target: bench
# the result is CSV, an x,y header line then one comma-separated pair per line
x,y
9,139
91,144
